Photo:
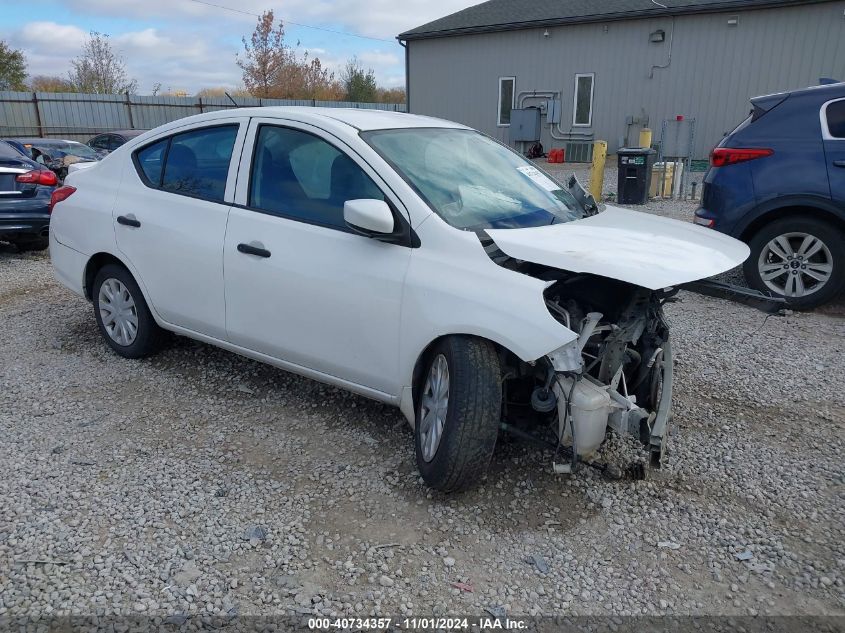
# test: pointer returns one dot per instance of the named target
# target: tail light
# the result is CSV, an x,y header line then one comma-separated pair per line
x,y
39,177
724,156
62,193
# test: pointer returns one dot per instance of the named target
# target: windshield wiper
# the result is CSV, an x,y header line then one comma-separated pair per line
x,y
582,196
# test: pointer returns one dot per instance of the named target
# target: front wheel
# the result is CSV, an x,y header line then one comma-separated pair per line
x,y
800,259
458,412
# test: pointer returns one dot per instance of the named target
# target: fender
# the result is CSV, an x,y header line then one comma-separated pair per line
x,y
823,206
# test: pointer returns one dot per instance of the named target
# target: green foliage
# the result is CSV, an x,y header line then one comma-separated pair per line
x,y
360,84
12,68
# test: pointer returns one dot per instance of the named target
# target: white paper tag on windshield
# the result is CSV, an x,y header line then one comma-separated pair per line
x,y
539,177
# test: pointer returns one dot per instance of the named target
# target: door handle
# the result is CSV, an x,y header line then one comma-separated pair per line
x,y
839,163
122,219
248,249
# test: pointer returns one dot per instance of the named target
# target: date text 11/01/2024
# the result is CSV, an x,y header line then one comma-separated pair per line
x,y
417,624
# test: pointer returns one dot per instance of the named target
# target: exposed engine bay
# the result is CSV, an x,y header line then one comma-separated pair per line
x,y
617,374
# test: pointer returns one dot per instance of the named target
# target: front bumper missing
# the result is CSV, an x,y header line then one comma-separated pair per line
x,y
621,414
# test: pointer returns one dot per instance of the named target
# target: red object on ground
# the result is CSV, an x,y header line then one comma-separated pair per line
x,y
556,156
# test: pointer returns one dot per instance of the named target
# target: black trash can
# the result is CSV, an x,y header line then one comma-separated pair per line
x,y
634,176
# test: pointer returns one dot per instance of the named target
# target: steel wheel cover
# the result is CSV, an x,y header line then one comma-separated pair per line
x,y
795,264
434,406
118,312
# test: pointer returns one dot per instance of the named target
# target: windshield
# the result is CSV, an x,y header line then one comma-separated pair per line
x,y
57,148
473,182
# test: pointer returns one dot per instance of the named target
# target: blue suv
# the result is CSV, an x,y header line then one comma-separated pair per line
x,y
777,182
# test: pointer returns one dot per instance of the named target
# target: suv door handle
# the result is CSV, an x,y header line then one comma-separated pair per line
x,y
839,163
249,249
126,221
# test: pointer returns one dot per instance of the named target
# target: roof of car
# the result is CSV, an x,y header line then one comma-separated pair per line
x,y
358,118
42,141
501,15
124,133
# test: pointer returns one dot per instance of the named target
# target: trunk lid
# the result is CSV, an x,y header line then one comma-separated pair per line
x,y
639,248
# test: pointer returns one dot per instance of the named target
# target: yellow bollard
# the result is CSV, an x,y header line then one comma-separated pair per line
x,y
597,170
645,137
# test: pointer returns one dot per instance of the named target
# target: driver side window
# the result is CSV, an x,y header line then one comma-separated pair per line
x,y
299,175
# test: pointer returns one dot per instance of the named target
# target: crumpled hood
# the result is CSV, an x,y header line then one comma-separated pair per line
x,y
640,248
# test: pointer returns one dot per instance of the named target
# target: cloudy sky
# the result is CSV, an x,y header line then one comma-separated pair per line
x,y
188,45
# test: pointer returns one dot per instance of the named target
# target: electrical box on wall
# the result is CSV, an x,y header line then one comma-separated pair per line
x,y
525,124
553,111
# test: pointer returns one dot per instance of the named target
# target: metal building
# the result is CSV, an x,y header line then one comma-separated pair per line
x,y
603,69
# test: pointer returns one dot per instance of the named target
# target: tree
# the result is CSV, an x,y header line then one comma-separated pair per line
x,y
99,70
48,83
12,68
272,69
391,95
264,56
360,84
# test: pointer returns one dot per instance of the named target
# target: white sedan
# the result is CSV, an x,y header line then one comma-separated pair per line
x,y
408,259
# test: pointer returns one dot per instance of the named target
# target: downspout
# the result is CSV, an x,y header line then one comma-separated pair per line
x,y
407,76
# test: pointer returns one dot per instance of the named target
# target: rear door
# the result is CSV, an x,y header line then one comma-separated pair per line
x,y
170,220
833,132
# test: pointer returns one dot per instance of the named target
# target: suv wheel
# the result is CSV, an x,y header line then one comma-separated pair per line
x,y
458,412
122,314
802,260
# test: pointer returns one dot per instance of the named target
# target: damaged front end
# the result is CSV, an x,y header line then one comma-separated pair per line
x,y
617,373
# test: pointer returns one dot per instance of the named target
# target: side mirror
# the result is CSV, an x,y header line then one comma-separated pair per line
x,y
370,217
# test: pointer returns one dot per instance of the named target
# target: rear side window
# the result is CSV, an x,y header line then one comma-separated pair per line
x,y
197,162
835,113
194,163
100,142
151,160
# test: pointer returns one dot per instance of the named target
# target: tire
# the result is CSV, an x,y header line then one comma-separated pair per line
x,y
118,282
32,244
473,409
796,278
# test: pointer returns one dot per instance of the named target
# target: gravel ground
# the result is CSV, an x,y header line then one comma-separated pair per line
x,y
199,482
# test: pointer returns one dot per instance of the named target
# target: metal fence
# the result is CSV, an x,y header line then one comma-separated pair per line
x,y
80,116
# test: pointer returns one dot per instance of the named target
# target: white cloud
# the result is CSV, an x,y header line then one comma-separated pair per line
x,y
380,18
188,45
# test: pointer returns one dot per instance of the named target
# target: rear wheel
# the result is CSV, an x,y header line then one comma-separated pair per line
x,y
122,314
32,244
458,412
802,260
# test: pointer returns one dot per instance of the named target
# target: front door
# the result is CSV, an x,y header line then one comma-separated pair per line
x,y
170,222
300,285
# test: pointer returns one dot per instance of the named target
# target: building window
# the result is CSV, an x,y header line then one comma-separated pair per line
x,y
505,100
582,112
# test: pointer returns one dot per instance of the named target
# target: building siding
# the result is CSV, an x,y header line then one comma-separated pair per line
x,y
715,69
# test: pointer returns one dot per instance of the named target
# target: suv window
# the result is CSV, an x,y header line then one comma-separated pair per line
x,y
836,119
299,175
